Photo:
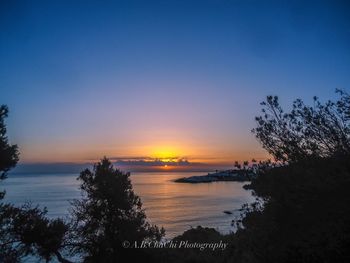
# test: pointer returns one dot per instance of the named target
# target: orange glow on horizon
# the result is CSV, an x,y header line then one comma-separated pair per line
x,y
166,153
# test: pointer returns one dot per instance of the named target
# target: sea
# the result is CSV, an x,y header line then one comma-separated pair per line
x,y
175,206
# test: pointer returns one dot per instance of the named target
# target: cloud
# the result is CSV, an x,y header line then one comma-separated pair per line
x,y
149,164
124,163
153,162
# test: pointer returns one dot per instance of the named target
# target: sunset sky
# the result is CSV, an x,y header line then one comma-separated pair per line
x,y
169,80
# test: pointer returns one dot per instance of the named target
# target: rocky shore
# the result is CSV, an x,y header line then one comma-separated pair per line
x,y
229,175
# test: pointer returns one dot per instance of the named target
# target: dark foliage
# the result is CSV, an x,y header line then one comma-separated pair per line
x,y
108,214
8,153
304,212
305,217
27,231
193,255
321,130
24,230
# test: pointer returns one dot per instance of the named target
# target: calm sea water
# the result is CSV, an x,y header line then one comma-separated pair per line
x,y
175,206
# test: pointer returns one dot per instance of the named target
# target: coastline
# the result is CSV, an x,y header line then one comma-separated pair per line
x,y
218,176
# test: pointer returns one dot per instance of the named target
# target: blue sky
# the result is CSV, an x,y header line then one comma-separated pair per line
x,y
84,79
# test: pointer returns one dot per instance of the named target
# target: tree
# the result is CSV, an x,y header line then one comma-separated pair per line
x,y
108,214
303,211
8,159
304,217
25,230
8,153
321,130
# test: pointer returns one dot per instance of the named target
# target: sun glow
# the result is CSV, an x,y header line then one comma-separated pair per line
x,y
166,154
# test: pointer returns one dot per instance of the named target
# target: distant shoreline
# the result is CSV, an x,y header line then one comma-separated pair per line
x,y
219,176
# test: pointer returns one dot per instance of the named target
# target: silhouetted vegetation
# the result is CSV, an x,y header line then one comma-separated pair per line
x,y
24,230
321,130
200,235
108,214
304,215
302,212
8,153
29,232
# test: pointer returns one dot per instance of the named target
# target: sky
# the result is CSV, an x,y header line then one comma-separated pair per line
x,y
178,82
